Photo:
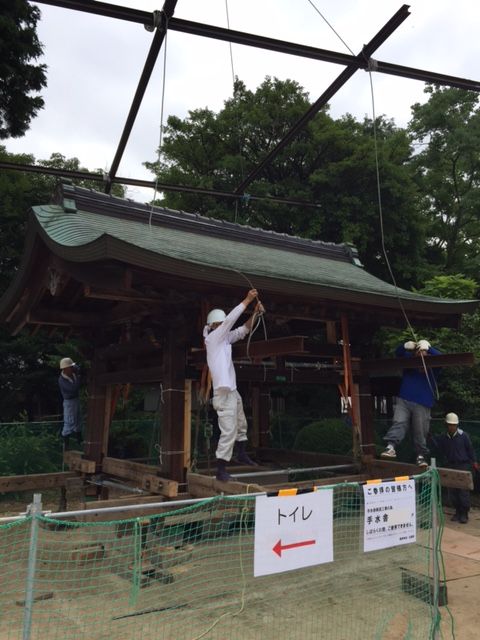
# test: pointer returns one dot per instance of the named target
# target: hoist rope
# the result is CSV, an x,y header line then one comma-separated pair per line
x,y
380,206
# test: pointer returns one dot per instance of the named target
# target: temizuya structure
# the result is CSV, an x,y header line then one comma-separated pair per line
x,y
137,282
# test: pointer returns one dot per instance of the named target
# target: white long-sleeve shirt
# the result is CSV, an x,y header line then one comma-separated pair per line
x,y
219,350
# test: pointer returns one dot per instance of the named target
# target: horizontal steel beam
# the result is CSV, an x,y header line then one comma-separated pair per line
x,y
150,184
147,19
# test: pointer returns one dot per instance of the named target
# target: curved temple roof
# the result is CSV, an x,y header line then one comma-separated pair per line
x,y
86,226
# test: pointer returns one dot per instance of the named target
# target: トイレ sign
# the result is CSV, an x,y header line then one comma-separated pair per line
x,y
293,531
390,514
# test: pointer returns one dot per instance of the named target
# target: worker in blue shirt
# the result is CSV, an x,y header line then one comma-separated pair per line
x,y
414,402
456,447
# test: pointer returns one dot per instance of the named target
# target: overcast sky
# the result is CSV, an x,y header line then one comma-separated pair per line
x,y
94,64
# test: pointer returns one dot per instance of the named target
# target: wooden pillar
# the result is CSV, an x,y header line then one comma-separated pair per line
x,y
97,424
349,387
367,429
173,405
187,425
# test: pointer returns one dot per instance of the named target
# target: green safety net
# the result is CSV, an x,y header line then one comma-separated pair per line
x,y
187,573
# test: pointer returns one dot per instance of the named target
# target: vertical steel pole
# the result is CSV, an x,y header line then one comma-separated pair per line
x,y
435,549
34,510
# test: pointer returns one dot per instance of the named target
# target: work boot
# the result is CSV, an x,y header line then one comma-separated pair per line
x,y
78,437
463,518
241,455
455,517
66,442
222,474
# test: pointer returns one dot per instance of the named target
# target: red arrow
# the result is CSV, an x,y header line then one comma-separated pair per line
x,y
278,548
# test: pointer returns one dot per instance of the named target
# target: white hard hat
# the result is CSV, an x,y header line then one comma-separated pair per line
x,y
423,345
66,362
216,315
451,418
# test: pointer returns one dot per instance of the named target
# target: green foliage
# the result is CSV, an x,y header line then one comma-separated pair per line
x,y
331,435
20,77
454,287
447,131
330,163
23,451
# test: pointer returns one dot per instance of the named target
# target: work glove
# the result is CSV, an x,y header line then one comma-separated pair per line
x,y
423,345
410,345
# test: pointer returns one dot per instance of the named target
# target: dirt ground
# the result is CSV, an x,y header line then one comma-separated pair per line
x,y
462,565
460,620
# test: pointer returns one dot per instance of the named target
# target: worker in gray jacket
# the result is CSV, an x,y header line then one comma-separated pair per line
x,y
69,384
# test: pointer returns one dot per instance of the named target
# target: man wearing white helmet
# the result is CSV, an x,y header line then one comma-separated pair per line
x,y
414,402
69,383
456,447
219,337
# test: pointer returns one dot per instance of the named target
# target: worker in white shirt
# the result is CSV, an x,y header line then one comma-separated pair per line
x,y
227,402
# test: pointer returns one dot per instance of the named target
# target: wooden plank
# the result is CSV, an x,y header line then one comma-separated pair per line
x,y
398,364
147,374
123,501
305,458
306,484
32,482
147,476
200,486
387,469
75,462
260,349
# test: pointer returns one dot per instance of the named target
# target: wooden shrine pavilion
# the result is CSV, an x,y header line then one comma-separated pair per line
x,y
137,281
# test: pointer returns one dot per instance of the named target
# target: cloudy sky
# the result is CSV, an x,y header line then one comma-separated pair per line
x,y
94,65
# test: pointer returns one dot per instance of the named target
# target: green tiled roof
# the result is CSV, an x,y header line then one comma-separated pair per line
x,y
159,243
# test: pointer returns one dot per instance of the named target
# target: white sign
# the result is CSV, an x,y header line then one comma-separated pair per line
x,y
390,514
292,532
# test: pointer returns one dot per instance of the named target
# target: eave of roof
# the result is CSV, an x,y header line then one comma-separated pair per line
x,y
201,249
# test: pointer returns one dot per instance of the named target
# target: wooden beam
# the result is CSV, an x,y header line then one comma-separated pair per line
x,y
125,349
387,469
95,440
32,482
145,475
259,349
268,375
432,362
139,376
302,458
119,295
365,404
63,318
75,462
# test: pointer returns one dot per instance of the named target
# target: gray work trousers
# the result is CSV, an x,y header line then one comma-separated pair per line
x,y
406,413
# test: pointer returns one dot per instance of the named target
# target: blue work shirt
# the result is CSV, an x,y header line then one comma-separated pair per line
x,y
416,387
456,448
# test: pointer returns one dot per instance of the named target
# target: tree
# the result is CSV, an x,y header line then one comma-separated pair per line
x,y
19,75
330,163
447,130
27,383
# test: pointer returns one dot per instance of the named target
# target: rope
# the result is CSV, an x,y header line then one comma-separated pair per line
x,y
238,121
160,140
